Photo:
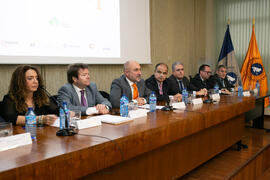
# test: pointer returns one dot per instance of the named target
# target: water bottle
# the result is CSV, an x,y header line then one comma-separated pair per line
x,y
216,88
153,102
31,123
62,118
240,90
124,106
185,96
67,114
258,87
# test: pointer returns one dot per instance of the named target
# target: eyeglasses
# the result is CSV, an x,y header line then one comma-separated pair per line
x,y
208,72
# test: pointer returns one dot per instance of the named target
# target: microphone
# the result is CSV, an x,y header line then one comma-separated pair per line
x,y
67,131
59,105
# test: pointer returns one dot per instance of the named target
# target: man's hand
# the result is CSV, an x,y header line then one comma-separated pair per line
x,y
140,101
177,97
202,92
225,91
101,108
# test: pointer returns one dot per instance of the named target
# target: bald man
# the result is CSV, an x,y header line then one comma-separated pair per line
x,y
130,84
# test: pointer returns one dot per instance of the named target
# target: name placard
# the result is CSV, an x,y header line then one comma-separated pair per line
x,y
87,123
197,106
215,97
138,113
197,101
246,93
179,105
15,141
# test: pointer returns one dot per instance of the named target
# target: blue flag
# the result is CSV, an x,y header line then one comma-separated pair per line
x,y
227,58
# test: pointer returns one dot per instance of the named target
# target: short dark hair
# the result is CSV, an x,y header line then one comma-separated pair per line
x,y
73,70
202,67
159,64
221,66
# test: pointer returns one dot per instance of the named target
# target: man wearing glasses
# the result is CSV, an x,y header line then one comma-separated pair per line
x,y
202,79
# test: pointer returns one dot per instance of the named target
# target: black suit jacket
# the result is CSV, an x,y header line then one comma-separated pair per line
x,y
174,85
199,84
217,79
152,84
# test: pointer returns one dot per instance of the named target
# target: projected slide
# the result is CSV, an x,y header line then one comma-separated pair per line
x,y
68,28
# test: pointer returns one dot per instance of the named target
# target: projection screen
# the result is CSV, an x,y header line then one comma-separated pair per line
x,y
69,31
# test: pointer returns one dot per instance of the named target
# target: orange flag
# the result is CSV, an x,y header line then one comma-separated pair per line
x,y
252,69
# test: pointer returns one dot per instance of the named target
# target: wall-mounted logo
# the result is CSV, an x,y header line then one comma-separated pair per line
x,y
231,76
256,69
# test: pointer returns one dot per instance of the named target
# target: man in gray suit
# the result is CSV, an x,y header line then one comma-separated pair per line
x,y
80,94
130,84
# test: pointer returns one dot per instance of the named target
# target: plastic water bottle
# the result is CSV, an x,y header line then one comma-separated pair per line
x,y
67,114
216,88
240,90
153,102
258,87
185,96
31,123
62,119
124,106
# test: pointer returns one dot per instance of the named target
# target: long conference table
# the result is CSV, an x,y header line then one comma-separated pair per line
x,y
163,145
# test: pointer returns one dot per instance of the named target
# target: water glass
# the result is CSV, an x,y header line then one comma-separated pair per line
x,y
132,106
75,117
6,129
171,100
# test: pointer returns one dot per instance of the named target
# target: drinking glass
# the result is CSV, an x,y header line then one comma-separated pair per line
x,y
6,129
76,117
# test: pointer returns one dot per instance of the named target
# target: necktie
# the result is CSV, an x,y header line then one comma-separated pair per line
x,y
160,88
135,91
181,85
83,100
223,84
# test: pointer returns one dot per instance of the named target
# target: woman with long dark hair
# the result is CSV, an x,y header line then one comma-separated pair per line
x,y
24,91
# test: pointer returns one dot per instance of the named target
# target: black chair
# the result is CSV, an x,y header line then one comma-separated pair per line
x,y
1,112
105,95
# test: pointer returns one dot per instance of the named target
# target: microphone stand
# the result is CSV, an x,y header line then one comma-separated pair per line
x,y
167,106
67,131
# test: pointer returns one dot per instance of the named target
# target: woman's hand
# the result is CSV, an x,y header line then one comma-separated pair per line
x,y
49,119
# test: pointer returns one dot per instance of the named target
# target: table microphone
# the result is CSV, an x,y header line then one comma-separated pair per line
x,y
67,131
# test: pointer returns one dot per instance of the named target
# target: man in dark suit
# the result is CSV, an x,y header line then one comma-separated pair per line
x,y
80,94
221,79
178,81
158,82
130,84
201,80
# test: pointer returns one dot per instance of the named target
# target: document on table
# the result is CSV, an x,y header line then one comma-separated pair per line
x,y
112,119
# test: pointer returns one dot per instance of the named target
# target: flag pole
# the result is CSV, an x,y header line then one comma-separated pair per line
x,y
228,21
